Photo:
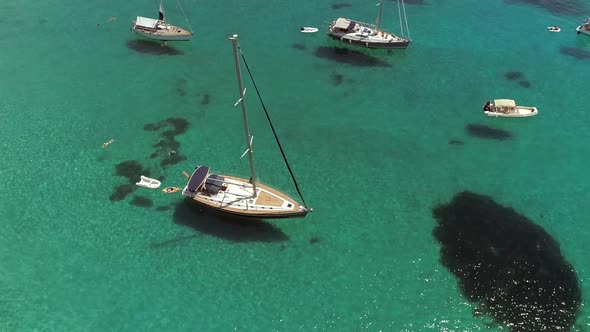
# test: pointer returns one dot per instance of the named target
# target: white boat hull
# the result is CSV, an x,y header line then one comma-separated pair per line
x,y
580,29
163,31
309,30
238,199
518,112
149,183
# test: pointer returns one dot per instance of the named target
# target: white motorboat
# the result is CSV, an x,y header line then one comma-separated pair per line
x,y
554,29
508,108
584,27
309,29
148,182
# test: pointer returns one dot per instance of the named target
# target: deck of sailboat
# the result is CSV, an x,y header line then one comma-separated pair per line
x,y
238,199
163,29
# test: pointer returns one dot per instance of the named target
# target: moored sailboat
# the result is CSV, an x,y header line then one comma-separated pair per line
x,y
368,35
238,196
160,29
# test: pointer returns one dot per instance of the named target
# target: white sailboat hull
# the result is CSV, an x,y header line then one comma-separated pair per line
x,y
162,31
238,199
365,35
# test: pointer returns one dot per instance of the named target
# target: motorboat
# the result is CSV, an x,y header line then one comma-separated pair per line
x,y
508,108
554,29
309,29
584,27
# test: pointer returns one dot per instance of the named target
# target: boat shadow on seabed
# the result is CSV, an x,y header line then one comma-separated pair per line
x,y
151,47
231,228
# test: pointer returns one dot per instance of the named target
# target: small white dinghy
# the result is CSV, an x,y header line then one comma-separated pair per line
x,y
148,183
309,29
554,29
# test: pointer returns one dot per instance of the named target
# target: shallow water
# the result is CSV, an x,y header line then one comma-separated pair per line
x,y
377,140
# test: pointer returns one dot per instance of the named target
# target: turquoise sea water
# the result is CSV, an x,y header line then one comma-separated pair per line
x,y
370,146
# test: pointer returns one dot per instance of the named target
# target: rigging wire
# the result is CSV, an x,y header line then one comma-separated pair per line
x,y
186,19
406,19
272,127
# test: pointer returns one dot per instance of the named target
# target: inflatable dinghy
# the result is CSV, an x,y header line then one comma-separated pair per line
x,y
148,182
309,30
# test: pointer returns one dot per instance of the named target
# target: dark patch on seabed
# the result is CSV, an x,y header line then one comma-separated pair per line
x,y
131,170
513,75
337,79
151,47
167,146
354,58
224,226
180,87
512,268
163,208
299,46
577,53
456,142
524,84
121,191
141,201
172,242
206,100
483,131
341,5
559,7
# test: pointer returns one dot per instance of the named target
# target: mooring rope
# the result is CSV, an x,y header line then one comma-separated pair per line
x,y
272,127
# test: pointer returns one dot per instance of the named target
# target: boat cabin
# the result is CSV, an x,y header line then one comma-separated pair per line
x,y
213,184
503,105
145,23
344,25
202,181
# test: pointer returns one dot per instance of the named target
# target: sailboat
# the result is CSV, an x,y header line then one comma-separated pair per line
x,y
369,35
238,196
160,29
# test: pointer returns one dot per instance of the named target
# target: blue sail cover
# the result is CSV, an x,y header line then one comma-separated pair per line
x,y
197,178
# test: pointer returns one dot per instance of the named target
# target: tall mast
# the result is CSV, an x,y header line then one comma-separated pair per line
x,y
234,40
380,14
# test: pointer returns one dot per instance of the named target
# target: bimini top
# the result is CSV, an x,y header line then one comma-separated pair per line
x,y
344,24
504,103
197,178
146,22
